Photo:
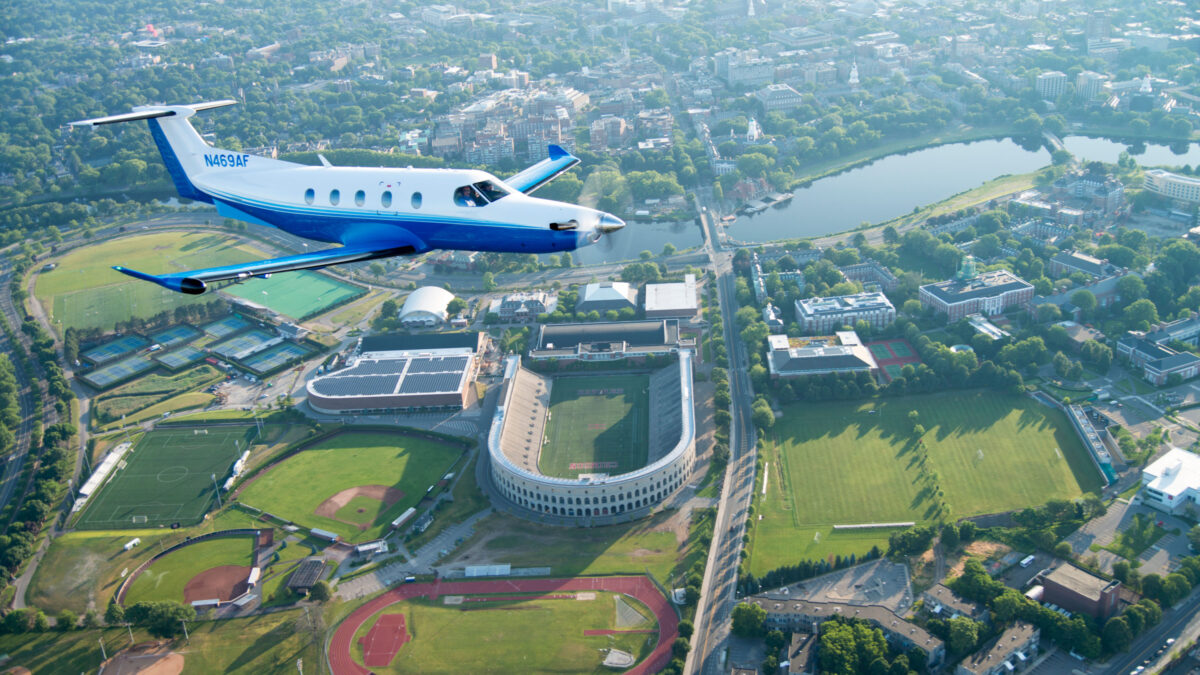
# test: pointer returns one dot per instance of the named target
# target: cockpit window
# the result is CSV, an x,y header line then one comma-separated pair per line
x,y
479,194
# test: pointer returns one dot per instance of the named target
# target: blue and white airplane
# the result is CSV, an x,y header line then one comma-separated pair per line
x,y
372,212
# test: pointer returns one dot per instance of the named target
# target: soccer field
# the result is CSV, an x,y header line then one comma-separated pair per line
x,y
167,478
856,462
83,292
597,425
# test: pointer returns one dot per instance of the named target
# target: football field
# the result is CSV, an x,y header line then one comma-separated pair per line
x,y
858,462
598,424
167,478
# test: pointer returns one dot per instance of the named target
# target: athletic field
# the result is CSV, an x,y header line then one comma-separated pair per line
x,y
299,295
166,578
353,483
167,478
83,292
598,424
531,632
856,462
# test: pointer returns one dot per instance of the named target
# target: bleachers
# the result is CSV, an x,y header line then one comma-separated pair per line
x,y
666,413
525,418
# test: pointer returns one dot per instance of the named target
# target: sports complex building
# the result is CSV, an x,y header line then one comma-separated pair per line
x,y
401,373
630,460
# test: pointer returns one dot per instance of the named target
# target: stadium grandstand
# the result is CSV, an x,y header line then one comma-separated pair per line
x,y
608,341
518,441
401,373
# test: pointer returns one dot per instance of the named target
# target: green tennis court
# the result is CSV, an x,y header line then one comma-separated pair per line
x,y
175,336
880,351
120,371
276,357
900,349
226,327
110,351
299,295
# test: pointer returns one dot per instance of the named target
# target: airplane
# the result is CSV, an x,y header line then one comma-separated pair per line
x,y
371,212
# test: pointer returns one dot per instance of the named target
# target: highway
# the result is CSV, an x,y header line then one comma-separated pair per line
x,y
717,594
12,467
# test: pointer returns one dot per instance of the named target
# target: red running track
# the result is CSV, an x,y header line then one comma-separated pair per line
x,y
384,640
639,588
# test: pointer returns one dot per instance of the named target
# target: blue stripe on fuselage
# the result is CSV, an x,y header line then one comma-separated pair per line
x,y
435,232
183,185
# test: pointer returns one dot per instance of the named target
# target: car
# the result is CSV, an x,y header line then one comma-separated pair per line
x,y
1170,641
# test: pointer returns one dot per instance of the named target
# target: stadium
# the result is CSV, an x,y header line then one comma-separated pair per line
x,y
595,449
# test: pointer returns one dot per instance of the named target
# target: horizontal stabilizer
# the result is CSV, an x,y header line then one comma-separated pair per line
x,y
196,281
544,171
152,111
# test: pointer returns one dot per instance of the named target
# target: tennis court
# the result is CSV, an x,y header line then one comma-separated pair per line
x,y
103,378
300,295
167,478
900,349
175,336
226,327
880,351
276,357
111,351
241,346
893,371
184,356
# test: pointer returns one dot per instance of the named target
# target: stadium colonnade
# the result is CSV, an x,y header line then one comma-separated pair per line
x,y
518,430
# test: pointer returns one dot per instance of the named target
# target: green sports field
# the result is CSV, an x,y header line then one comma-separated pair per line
x,y
523,636
83,292
299,295
167,478
856,462
165,578
597,425
296,487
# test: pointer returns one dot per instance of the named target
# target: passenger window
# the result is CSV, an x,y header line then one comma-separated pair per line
x,y
309,195
416,200
385,199
360,198
335,196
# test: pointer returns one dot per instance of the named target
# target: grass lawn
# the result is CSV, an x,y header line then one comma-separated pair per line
x,y
841,463
83,292
166,578
356,311
85,566
348,460
188,401
297,294
144,392
1135,539
509,637
647,545
597,425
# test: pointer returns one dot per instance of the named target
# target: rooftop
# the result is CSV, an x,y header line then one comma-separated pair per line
x,y
1084,583
1174,473
1010,644
634,333
985,285
399,342
844,303
666,297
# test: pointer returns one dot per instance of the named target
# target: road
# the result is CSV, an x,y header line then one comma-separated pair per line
x,y
718,592
1146,646
12,467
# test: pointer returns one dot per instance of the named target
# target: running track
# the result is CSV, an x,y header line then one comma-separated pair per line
x,y
639,588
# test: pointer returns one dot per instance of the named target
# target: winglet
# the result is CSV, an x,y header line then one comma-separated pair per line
x,y
170,282
557,152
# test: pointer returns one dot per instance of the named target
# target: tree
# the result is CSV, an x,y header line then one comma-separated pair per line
x,y
489,281
950,536
747,620
161,619
1194,537
775,640
680,647
1117,635
1085,300
1131,288
686,628
668,250
41,623
962,634
66,620
114,615
320,591
1141,314
376,269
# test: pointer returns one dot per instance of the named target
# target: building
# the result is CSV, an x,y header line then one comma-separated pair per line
x,y
779,97
807,616
307,574
606,295
871,272
826,315
743,68
401,373
988,293
1013,651
1181,330
1172,482
677,300
943,603
801,655
1081,592
524,307
1050,85
517,436
796,357
608,341
1105,291
1173,185
1066,263
1088,84
1157,361
609,132
426,307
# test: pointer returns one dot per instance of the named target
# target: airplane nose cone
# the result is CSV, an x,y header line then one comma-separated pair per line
x,y
609,223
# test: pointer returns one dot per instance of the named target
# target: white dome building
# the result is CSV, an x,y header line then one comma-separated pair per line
x,y
426,307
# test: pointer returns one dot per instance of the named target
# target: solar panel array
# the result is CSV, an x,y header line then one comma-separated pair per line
x,y
375,368
407,376
368,385
429,383
443,364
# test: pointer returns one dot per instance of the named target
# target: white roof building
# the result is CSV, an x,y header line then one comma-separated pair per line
x,y
1172,482
606,295
426,306
672,300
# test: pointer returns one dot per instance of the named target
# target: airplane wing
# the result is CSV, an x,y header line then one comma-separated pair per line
x,y
196,282
544,171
